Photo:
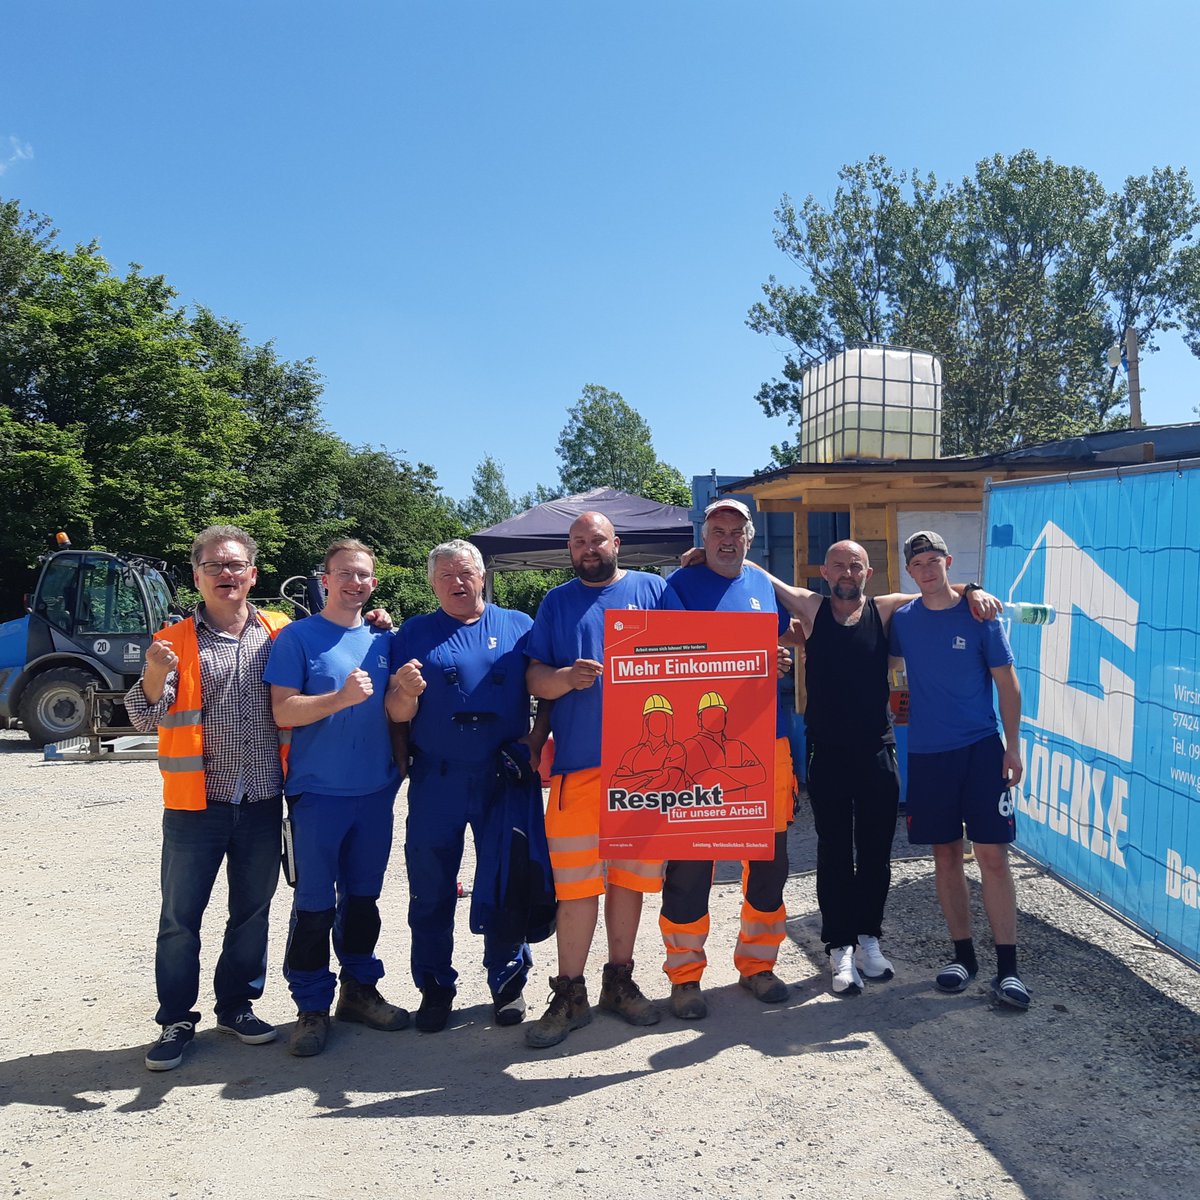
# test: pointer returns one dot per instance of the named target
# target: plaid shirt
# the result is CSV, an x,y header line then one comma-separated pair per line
x,y
241,742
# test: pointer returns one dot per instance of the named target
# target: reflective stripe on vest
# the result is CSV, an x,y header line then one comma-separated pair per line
x,y
180,733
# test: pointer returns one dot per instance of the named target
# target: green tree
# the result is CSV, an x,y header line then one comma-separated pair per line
x,y
46,484
539,495
607,443
667,485
114,360
135,424
1018,278
490,501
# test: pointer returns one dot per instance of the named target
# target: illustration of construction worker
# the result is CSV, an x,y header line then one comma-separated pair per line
x,y
656,763
712,757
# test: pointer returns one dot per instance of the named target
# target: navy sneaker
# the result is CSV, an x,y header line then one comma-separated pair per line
x,y
167,1053
245,1026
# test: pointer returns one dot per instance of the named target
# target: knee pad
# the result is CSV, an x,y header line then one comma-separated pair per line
x,y
360,924
308,947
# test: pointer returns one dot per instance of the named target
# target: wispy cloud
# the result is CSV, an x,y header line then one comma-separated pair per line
x,y
19,151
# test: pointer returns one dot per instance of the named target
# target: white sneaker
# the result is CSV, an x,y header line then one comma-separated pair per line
x,y
870,961
846,979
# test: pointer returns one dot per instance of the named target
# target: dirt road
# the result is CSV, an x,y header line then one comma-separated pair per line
x,y
902,1092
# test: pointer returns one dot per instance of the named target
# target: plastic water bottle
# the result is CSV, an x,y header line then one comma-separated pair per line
x,y
1030,614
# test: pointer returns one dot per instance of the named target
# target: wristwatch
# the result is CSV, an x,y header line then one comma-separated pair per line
x,y
972,587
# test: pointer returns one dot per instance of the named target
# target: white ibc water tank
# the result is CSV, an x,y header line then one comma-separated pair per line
x,y
872,402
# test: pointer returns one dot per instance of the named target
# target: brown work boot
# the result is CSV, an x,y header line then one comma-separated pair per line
x,y
569,1009
309,1033
765,986
620,995
362,1002
687,1002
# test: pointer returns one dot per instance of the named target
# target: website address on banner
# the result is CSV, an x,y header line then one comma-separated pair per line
x,y
1187,778
753,810
728,664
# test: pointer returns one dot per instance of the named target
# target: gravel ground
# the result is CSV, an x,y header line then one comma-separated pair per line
x,y
902,1092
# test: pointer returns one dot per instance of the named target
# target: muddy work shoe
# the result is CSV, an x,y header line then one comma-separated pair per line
x,y
687,1002
765,986
361,1002
620,995
568,1009
309,1034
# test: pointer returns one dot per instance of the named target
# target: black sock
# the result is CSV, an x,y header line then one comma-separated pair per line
x,y
1006,961
964,952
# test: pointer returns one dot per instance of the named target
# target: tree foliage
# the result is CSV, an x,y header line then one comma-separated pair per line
x,y
490,501
1019,278
133,423
607,443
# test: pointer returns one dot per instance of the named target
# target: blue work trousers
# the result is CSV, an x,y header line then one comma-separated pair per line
x,y
246,837
443,799
342,846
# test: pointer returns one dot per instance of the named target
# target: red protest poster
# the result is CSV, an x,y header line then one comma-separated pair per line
x,y
688,740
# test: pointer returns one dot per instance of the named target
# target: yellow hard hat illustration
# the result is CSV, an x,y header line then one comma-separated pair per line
x,y
657,703
712,700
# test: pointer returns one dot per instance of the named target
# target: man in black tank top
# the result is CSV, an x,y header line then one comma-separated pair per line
x,y
852,777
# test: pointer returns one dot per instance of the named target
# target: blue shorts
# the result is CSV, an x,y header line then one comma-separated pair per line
x,y
960,787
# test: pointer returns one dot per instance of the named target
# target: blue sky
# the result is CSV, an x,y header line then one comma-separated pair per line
x,y
464,212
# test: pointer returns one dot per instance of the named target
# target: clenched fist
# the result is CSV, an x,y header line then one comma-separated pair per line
x,y
408,678
357,688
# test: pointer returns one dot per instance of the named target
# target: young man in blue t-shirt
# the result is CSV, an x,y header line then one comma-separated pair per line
x,y
566,651
328,675
959,772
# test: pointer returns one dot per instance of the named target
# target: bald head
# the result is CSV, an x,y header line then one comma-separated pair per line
x,y
847,569
847,549
587,522
593,544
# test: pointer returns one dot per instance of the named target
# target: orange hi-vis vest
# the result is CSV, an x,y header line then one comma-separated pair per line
x,y
180,734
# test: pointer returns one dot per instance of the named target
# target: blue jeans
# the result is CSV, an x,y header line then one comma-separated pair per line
x,y
443,799
246,837
342,848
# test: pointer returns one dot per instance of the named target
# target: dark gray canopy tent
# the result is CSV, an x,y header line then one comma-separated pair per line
x,y
652,535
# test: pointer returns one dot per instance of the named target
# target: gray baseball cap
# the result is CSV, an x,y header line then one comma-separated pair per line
x,y
922,542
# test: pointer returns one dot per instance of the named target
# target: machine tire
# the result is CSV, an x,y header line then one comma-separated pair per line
x,y
54,705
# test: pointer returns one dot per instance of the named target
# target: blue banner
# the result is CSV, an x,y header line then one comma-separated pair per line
x,y
1110,726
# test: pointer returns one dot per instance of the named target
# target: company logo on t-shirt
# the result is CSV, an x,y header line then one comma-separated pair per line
x,y
492,643
960,643
754,604
381,660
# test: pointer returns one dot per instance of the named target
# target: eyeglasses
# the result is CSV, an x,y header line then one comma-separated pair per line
x,y
344,576
235,566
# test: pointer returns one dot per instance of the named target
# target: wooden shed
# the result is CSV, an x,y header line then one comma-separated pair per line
x,y
879,502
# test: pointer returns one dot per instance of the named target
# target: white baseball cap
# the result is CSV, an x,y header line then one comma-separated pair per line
x,y
733,505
